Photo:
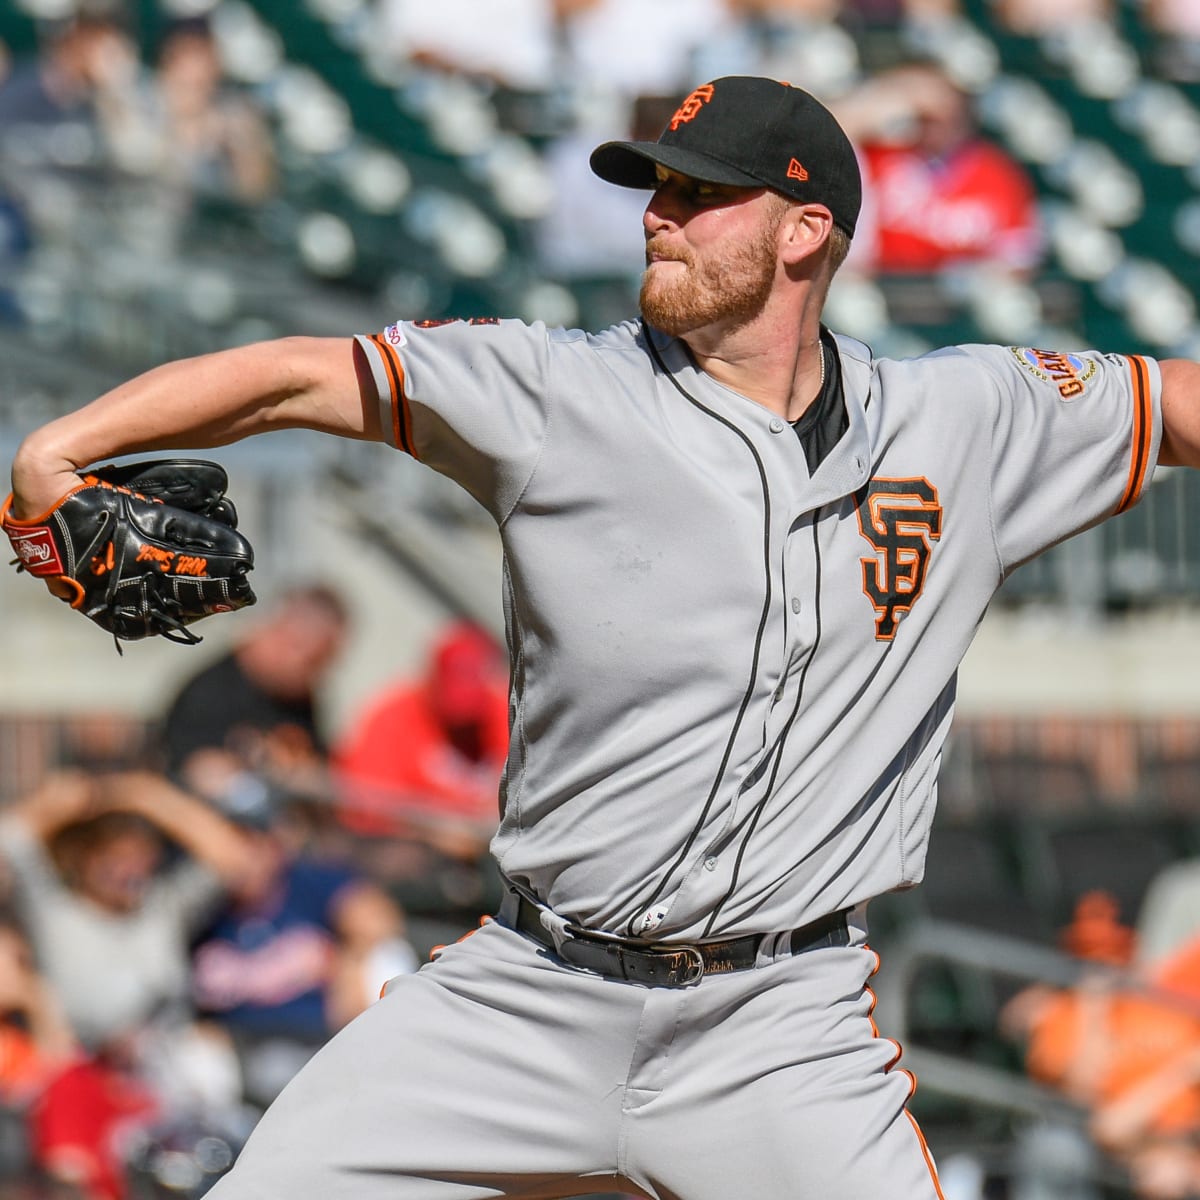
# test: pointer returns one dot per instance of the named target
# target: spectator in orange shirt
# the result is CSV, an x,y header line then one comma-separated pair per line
x,y
937,194
1127,1048
35,1037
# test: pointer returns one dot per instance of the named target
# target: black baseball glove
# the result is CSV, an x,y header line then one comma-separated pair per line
x,y
142,549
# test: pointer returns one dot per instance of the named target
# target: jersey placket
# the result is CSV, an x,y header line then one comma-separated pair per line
x,y
791,643
788,642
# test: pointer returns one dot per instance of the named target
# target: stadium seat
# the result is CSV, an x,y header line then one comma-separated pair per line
x,y
1069,856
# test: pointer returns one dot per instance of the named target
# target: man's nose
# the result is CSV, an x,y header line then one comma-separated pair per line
x,y
659,214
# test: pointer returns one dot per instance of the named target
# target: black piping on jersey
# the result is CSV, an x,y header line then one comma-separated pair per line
x,y
758,637
516,690
780,742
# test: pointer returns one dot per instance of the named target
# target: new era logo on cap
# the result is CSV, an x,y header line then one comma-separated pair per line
x,y
748,131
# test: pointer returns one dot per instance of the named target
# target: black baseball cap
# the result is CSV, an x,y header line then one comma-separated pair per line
x,y
749,132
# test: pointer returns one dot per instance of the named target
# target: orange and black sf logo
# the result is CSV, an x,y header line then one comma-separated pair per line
x,y
691,106
901,518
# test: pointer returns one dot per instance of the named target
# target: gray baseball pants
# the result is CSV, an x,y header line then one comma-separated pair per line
x,y
498,1070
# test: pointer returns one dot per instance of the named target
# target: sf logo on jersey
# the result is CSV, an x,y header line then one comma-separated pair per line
x,y
901,518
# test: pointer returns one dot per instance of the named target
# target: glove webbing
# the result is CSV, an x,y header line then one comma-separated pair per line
x,y
155,619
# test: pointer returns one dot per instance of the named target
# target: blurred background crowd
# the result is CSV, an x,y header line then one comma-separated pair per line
x,y
212,859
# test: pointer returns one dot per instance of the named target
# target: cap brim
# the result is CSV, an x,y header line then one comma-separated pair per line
x,y
631,165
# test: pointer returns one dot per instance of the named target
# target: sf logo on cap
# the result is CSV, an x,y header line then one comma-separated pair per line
x,y
692,105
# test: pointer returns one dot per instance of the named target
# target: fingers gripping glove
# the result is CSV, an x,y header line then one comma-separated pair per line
x,y
142,549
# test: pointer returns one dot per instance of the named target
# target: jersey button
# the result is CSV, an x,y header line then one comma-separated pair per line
x,y
710,863
795,604
776,426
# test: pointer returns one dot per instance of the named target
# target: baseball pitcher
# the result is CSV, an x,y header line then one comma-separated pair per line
x,y
744,558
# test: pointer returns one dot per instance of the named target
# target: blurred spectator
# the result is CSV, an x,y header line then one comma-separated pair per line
x,y
111,924
1169,916
628,48
16,242
110,929
614,248
892,14
36,1045
800,41
77,102
15,233
1035,18
81,1121
1176,27
35,1036
426,756
259,700
1096,932
418,777
213,140
1125,1046
1180,17
510,42
937,193
101,741
298,954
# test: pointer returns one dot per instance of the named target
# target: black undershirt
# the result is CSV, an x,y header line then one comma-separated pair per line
x,y
825,419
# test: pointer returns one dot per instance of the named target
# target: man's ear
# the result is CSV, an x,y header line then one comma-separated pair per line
x,y
803,231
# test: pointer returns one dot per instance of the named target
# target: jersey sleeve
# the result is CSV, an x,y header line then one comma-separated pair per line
x,y
467,398
1075,437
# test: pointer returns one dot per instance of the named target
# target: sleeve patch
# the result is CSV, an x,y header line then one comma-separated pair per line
x,y
1067,373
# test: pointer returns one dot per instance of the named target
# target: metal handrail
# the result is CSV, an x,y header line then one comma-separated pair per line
x,y
929,940
976,1084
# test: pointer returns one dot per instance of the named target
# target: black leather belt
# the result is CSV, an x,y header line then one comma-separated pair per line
x,y
667,965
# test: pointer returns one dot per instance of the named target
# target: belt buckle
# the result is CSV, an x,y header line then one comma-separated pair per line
x,y
694,964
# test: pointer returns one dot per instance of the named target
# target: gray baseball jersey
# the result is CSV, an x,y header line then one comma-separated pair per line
x,y
732,679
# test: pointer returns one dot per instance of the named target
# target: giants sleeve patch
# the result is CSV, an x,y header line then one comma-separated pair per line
x,y
1067,373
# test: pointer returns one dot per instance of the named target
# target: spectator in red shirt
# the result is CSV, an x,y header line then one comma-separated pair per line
x,y
937,194
425,757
